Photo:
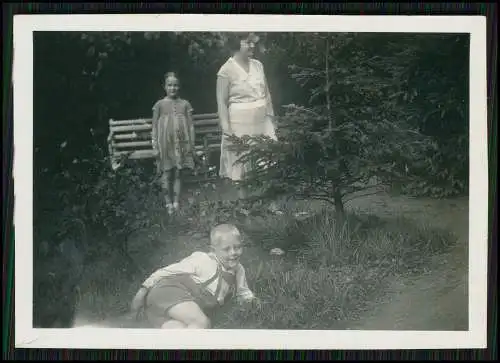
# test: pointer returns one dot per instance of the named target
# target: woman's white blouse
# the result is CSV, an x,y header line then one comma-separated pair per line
x,y
244,86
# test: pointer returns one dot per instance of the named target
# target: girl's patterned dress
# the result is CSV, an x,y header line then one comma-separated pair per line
x,y
172,123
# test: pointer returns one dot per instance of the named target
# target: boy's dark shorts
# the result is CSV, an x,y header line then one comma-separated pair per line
x,y
171,291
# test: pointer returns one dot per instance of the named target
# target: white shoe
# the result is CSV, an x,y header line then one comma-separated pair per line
x,y
170,208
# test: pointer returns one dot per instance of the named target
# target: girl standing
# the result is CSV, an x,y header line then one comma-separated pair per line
x,y
173,139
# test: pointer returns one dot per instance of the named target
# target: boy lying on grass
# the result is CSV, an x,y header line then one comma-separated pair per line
x,y
180,295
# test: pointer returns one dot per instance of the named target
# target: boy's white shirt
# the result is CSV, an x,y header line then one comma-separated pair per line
x,y
202,266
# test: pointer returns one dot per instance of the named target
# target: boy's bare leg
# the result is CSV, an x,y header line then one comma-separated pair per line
x,y
173,324
190,314
137,302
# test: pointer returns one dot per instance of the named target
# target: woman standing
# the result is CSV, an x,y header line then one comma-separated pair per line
x,y
244,103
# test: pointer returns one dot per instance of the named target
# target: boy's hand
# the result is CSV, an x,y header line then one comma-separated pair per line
x,y
253,302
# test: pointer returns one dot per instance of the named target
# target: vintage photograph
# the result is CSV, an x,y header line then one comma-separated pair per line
x,y
251,180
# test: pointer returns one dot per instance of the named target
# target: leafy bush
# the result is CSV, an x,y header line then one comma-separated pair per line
x,y
99,210
57,271
445,173
441,97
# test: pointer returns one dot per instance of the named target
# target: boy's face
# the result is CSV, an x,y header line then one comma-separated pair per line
x,y
171,86
228,249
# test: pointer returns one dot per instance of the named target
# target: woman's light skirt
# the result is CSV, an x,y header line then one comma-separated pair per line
x,y
245,119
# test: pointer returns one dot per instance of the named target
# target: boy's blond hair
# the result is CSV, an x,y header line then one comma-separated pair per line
x,y
221,231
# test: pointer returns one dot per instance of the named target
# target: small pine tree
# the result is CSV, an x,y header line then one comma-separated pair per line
x,y
353,136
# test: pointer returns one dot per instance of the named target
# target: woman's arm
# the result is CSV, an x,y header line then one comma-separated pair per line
x,y
223,103
269,100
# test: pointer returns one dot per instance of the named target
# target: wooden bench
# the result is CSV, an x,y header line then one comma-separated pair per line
x,y
131,140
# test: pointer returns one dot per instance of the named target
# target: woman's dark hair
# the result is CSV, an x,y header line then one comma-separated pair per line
x,y
234,40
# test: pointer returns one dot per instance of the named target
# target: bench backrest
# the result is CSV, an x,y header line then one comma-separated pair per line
x,y
132,138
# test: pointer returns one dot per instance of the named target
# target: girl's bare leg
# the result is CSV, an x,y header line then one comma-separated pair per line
x,y
242,192
165,185
173,324
177,187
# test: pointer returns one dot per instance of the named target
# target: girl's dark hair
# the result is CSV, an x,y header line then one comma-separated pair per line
x,y
171,74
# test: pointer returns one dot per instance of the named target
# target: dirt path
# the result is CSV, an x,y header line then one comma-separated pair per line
x,y
437,300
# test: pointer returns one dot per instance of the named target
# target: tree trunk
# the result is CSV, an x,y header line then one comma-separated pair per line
x,y
339,204
327,86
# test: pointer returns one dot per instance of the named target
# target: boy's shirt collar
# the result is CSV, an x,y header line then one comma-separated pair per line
x,y
214,256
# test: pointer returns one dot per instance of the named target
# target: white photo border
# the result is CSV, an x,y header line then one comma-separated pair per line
x,y
28,337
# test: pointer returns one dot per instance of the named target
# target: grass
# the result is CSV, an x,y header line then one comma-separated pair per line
x,y
335,270
328,274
